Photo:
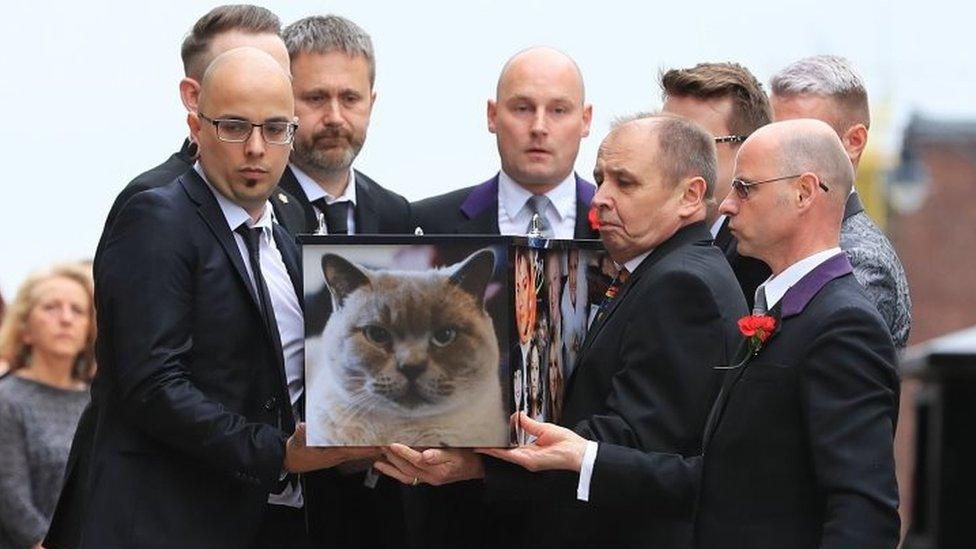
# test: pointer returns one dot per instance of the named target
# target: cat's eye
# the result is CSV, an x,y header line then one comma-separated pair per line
x,y
444,337
377,334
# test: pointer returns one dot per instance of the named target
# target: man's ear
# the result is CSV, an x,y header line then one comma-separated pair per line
x,y
587,118
855,139
190,93
806,189
193,121
492,113
693,196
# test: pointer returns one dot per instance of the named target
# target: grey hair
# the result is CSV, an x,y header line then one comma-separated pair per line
x,y
329,33
826,76
685,149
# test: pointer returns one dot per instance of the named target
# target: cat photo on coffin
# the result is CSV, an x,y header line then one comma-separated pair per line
x,y
409,353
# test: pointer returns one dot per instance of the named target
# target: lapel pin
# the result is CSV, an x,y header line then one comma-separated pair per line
x,y
283,198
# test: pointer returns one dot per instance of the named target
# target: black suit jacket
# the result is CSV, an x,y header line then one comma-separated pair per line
x,y
185,435
378,210
645,380
798,447
749,271
474,210
287,210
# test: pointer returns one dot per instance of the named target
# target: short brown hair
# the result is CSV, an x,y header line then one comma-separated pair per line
x,y
234,17
750,105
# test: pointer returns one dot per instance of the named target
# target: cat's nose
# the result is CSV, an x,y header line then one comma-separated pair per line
x,y
412,371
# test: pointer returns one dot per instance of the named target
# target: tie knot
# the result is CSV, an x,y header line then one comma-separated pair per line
x,y
537,203
760,306
336,215
251,235
623,275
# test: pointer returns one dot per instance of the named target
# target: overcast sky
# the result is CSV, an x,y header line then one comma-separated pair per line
x,y
91,100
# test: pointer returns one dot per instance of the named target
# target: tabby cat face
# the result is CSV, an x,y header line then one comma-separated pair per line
x,y
414,343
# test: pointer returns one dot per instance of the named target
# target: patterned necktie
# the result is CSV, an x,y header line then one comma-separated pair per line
x,y
537,205
336,215
612,290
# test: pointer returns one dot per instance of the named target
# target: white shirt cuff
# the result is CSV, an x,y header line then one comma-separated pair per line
x,y
586,471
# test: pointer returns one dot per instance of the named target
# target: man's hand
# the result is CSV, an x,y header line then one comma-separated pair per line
x,y
554,448
300,458
432,466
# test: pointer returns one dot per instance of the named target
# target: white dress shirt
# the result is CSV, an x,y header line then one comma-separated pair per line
x,y
776,288
314,192
514,213
717,225
284,302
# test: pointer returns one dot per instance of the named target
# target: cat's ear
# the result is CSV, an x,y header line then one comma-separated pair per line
x,y
473,275
342,277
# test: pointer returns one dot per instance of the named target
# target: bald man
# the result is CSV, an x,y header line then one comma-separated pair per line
x,y
221,29
201,344
539,116
797,450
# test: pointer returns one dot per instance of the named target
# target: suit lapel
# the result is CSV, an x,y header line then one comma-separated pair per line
x,y
209,210
367,220
290,184
743,358
584,196
480,210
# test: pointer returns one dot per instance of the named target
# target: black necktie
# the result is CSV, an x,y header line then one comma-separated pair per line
x,y
252,238
336,215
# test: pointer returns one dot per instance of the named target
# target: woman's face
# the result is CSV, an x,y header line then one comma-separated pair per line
x,y
59,321
524,298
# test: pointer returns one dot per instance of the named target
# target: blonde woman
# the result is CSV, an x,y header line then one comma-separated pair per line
x,y
47,339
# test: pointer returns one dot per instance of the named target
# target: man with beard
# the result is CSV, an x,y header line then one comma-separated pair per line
x,y
334,70
332,79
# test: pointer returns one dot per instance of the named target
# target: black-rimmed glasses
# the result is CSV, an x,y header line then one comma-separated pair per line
x,y
233,130
730,139
741,186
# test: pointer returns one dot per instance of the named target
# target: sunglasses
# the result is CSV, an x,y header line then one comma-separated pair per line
x,y
742,187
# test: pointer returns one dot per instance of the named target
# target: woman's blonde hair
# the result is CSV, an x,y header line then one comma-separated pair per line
x,y
12,347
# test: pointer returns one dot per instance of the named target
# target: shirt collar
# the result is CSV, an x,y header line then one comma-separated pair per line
x,y
314,191
634,263
777,286
513,197
717,226
233,213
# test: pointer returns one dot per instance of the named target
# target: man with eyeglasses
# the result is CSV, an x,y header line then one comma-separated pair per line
x,y
195,440
728,101
828,88
797,450
221,29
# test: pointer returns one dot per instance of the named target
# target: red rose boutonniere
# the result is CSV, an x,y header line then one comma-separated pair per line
x,y
757,328
594,218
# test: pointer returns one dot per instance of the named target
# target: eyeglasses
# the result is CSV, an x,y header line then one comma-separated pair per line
x,y
232,130
741,186
730,139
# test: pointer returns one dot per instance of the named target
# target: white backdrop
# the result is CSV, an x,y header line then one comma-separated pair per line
x,y
90,88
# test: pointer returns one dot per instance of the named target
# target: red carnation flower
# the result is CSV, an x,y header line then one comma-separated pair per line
x,y
594,219
757,327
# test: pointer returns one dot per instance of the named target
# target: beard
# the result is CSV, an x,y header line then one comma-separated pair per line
x,y
328,160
